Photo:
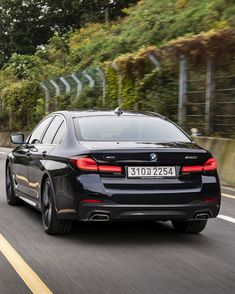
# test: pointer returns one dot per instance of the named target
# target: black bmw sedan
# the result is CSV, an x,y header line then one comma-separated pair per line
x,y
112,166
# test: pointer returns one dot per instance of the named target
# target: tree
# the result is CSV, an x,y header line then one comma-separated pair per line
x,y
25,24
103,10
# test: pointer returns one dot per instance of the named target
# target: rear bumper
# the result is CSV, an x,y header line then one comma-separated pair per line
x,y
88,212
136,204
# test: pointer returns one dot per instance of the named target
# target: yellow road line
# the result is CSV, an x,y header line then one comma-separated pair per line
x,y
31,279
228,196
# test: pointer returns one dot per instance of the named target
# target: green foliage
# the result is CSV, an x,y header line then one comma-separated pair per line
x,y
157,91
112,90
28,24
150,22
25,66
89,99
148,28
21,100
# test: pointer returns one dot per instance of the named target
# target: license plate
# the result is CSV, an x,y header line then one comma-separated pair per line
x,y
151,171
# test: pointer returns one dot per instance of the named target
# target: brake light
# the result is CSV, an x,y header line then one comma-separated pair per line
x,y
89,164
192,169
209,165
110,169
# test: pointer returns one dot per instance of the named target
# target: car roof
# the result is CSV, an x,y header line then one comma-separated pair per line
x,y
84,113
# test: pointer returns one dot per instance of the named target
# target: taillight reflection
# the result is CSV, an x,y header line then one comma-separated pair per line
x,y
91,201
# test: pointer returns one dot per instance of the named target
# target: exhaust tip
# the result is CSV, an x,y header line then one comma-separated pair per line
x,y
202,216
100,217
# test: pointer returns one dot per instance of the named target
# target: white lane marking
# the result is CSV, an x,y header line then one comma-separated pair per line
x,y
227,218
228,196
3,153
228,188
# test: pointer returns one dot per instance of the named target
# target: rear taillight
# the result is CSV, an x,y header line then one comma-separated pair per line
x,y
89,164
85,163
209,165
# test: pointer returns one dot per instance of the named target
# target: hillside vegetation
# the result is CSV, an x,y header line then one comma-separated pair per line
x,y
147,26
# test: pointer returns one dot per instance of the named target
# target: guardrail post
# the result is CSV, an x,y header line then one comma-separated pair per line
x,y
102,75
183,76
154,60
210,84
90,79
67,85
79,84
47,96
57,88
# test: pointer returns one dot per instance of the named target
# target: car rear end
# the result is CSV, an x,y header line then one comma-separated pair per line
x,y
142,177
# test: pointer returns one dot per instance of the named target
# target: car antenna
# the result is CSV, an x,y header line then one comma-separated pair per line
x,y
118,111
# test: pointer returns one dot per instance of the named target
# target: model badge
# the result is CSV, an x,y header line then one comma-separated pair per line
x,y
190,157
153,157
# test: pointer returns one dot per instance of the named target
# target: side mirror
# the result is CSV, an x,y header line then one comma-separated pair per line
x,y
17,139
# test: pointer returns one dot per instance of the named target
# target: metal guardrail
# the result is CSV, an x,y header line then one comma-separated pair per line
x,y
206,97
76,82
207,101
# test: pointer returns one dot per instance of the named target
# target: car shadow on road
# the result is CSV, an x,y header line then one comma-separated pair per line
x,y
131,233
119,233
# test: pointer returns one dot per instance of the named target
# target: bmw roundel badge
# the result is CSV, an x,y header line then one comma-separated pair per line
x,y
153,157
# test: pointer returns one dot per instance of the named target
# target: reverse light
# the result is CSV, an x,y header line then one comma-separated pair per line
x,y
209,165
89,164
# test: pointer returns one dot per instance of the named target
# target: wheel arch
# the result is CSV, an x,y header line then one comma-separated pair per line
x,y
9,160
44,178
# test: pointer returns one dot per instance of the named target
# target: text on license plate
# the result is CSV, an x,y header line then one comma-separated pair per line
x,y
151,171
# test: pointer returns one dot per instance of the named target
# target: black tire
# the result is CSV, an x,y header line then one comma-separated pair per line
x,y
51,223
10,191
189,227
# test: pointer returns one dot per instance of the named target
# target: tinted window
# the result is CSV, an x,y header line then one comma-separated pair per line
x,y
51,131
36,136
60,134
128,128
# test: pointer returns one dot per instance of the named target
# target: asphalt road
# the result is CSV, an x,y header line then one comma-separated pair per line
x,y
119,258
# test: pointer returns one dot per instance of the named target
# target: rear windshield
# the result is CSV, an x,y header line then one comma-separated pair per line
x,y
128,128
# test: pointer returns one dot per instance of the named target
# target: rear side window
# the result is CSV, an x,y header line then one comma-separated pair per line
x,y
52,130
59,134
36,136
128,128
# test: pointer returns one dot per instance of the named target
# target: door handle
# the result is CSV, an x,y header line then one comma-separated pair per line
x,y
28,153
44,154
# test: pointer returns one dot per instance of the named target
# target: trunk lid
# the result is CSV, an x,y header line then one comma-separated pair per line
x,y
175,153
144,190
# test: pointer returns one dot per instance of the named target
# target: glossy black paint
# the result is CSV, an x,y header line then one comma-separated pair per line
x,y
163,198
